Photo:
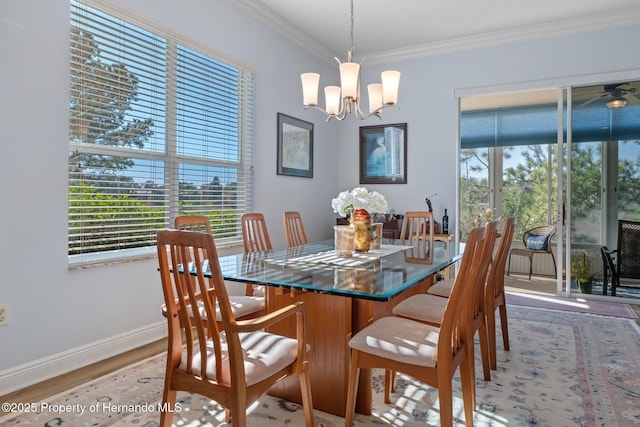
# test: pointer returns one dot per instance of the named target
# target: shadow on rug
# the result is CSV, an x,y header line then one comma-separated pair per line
x,y
564,369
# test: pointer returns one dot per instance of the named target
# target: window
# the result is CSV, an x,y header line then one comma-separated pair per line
x,y
156,129
508,164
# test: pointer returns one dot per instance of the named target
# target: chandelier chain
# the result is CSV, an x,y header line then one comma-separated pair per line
x,y
352,47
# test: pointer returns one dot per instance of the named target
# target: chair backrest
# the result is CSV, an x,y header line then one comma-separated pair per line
x,y
482,267
495,282
193,223
539,238
628,253
456,327
417,231
195,294
255,235
293,229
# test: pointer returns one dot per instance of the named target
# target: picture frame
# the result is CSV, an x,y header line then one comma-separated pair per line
x,y
383,154
295,147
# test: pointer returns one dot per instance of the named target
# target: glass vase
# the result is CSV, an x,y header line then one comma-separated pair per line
x,y
344,239
361,221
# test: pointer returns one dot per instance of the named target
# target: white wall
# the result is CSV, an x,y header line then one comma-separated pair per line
x,y
56,314
428,104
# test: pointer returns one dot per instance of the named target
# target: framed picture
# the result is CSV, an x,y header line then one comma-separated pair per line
x,y
295,147
383,154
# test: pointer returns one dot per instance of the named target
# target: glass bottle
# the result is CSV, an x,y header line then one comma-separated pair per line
x,y
445,223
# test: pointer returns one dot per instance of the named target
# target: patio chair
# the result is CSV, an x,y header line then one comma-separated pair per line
x,y
627,255
536,240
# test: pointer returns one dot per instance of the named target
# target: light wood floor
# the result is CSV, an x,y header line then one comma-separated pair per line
x,y
38,392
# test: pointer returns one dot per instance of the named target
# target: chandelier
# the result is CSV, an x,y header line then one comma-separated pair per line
x,y
344,99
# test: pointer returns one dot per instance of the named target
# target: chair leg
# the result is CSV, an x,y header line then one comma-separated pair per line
x,y
354,374
468,389
530,266
168,401
307,401
509,268
491,330
389,384
505,328
445,397
484,351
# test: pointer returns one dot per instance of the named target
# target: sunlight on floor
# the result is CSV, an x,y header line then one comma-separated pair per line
x,y
578,302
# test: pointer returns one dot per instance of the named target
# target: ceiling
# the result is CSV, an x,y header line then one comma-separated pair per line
x,y
386,30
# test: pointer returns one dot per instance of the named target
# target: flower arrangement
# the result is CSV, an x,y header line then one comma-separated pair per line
x,y
486,216
483,217
359,198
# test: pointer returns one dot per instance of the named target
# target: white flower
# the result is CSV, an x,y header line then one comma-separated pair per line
x,y
359,198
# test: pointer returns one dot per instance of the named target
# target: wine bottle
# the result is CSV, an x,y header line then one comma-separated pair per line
x,y
445,223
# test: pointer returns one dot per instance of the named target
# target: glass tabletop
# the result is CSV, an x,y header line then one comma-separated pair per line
x,y
377,275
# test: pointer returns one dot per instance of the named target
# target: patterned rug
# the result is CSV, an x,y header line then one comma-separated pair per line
x,y
564,369
578,304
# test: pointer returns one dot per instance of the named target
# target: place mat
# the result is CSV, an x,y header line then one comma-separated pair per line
x,y
331,257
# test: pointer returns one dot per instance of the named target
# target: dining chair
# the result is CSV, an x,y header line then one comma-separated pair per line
x,y
425,352
233,362
246,306
495,297
293,229
429,308
417,231
255,238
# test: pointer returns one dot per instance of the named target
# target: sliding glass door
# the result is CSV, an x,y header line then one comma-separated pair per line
x,y
513,161
509,166
605,178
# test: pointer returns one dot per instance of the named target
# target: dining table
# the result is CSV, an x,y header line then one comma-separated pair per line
x,y
342,295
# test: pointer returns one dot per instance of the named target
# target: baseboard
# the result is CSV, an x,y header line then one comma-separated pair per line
x,y
58,364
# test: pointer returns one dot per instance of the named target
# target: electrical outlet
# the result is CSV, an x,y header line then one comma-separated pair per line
x,y
4,319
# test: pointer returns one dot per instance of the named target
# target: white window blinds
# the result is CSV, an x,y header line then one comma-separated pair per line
x,y
156,129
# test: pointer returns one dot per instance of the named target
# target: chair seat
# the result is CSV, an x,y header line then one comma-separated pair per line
x,y
442,288
416,345
264,354
526,252
422,307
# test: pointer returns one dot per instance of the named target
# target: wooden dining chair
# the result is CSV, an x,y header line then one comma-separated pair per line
x,y
494,290
495,297
427,353
232,362
429,309
246,306
293,229
417,231
255,238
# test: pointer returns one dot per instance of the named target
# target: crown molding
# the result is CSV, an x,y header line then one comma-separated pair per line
x,y
286,28
523,34
534,32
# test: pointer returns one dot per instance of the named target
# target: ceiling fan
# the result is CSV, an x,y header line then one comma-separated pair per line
x,y
616,96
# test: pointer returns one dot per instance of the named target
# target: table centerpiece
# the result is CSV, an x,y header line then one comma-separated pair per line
x,y
358,205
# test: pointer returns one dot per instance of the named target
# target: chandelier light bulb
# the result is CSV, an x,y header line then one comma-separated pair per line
x,y
310,83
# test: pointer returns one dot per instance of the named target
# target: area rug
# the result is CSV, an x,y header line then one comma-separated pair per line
x,y
578,304
564,369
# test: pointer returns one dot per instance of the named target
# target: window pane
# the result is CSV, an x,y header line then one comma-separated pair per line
x,y
156,129
474,187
